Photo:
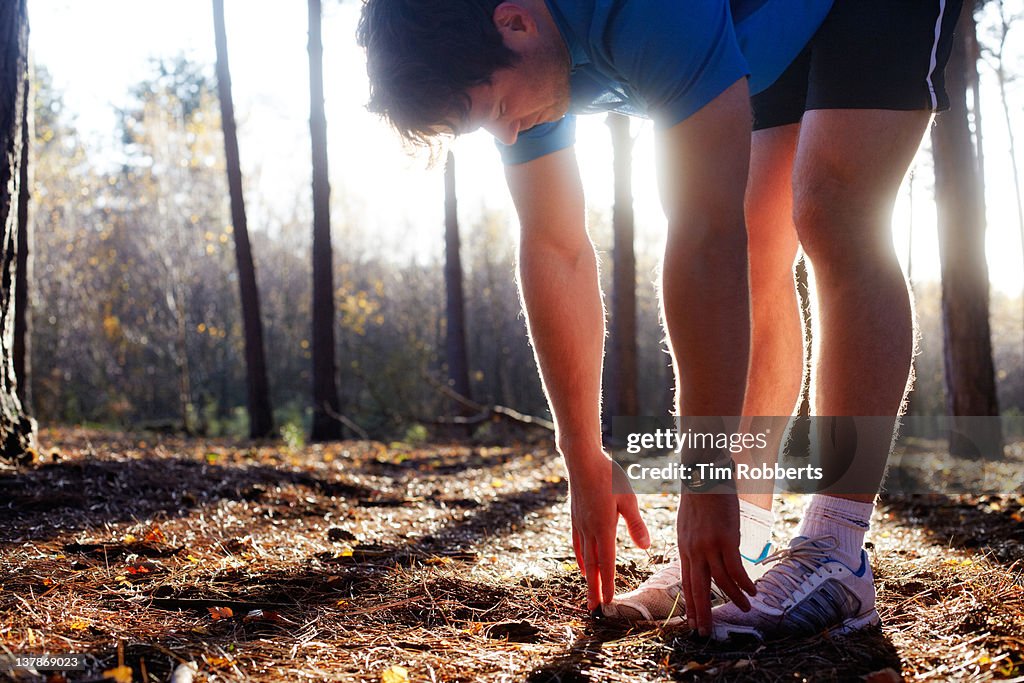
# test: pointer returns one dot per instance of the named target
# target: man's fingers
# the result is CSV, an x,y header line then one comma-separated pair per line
x,y
592,571
635,523
606,564
578,551
727,584
684,571
700,591
734,565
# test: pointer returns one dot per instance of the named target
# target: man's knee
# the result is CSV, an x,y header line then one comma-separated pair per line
x,y
839,223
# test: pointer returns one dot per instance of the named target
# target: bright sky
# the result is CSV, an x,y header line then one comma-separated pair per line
x,y
96,50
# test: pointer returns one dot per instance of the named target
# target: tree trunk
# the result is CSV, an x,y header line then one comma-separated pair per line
x,y
622,390
17,430
455,333
261,417
959,197
23,273
326,405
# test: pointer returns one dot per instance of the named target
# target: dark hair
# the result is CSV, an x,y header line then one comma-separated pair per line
x,y
423,56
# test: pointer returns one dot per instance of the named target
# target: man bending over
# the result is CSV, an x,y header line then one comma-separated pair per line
x,y
522,69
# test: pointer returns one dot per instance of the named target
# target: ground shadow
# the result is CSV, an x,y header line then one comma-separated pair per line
x,y
54,498
989,525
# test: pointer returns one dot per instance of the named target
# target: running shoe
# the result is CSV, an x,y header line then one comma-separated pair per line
x,y
659,600
806,591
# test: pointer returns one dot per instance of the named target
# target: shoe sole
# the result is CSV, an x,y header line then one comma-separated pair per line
x,y
851,625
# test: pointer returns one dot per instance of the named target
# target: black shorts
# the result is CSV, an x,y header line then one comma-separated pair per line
x,y
868,54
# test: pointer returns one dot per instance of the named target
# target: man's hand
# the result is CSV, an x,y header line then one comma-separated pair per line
x,y
709,536
595,514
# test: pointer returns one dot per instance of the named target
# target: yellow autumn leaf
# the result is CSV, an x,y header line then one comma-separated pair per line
x,y
395,674
78,625
220,661
121,674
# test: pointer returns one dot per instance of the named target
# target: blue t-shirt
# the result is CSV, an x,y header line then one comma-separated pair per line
x,y
666,59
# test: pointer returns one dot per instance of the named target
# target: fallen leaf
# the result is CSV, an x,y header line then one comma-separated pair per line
x,y
140,566
220,612
395,674
155,535
120,674
78,625
438,560
220,661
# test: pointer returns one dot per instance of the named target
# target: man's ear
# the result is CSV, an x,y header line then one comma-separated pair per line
x,y
514,21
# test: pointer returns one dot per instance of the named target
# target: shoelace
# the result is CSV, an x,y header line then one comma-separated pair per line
x,y
665,577
794,563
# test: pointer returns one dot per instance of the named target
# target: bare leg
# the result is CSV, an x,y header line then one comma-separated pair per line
x,y
777,340
848,169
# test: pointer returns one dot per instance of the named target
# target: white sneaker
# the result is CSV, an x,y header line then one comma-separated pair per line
x,y
807,591
659,600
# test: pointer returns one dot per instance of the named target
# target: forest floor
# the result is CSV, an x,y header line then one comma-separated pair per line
x,y
387,562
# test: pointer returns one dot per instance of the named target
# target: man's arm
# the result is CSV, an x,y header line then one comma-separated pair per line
x,y
703,165
562,299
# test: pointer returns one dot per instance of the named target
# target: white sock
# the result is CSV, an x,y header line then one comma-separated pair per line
x,y
755,534
846,520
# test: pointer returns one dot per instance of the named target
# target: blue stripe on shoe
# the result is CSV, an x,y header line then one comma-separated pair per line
x,y
765,552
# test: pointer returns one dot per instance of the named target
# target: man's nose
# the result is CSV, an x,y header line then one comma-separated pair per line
x,y
506,133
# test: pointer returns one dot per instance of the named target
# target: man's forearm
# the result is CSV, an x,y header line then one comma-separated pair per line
x,y
562,299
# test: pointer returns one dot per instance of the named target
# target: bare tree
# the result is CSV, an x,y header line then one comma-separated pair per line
x,y
261,417
17,430
455,328
326,425
622,390
23,272
959,197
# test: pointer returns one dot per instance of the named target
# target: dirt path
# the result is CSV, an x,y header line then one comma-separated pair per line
x,y
387,563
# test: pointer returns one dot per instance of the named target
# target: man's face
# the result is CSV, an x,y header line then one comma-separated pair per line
x,y
534,91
